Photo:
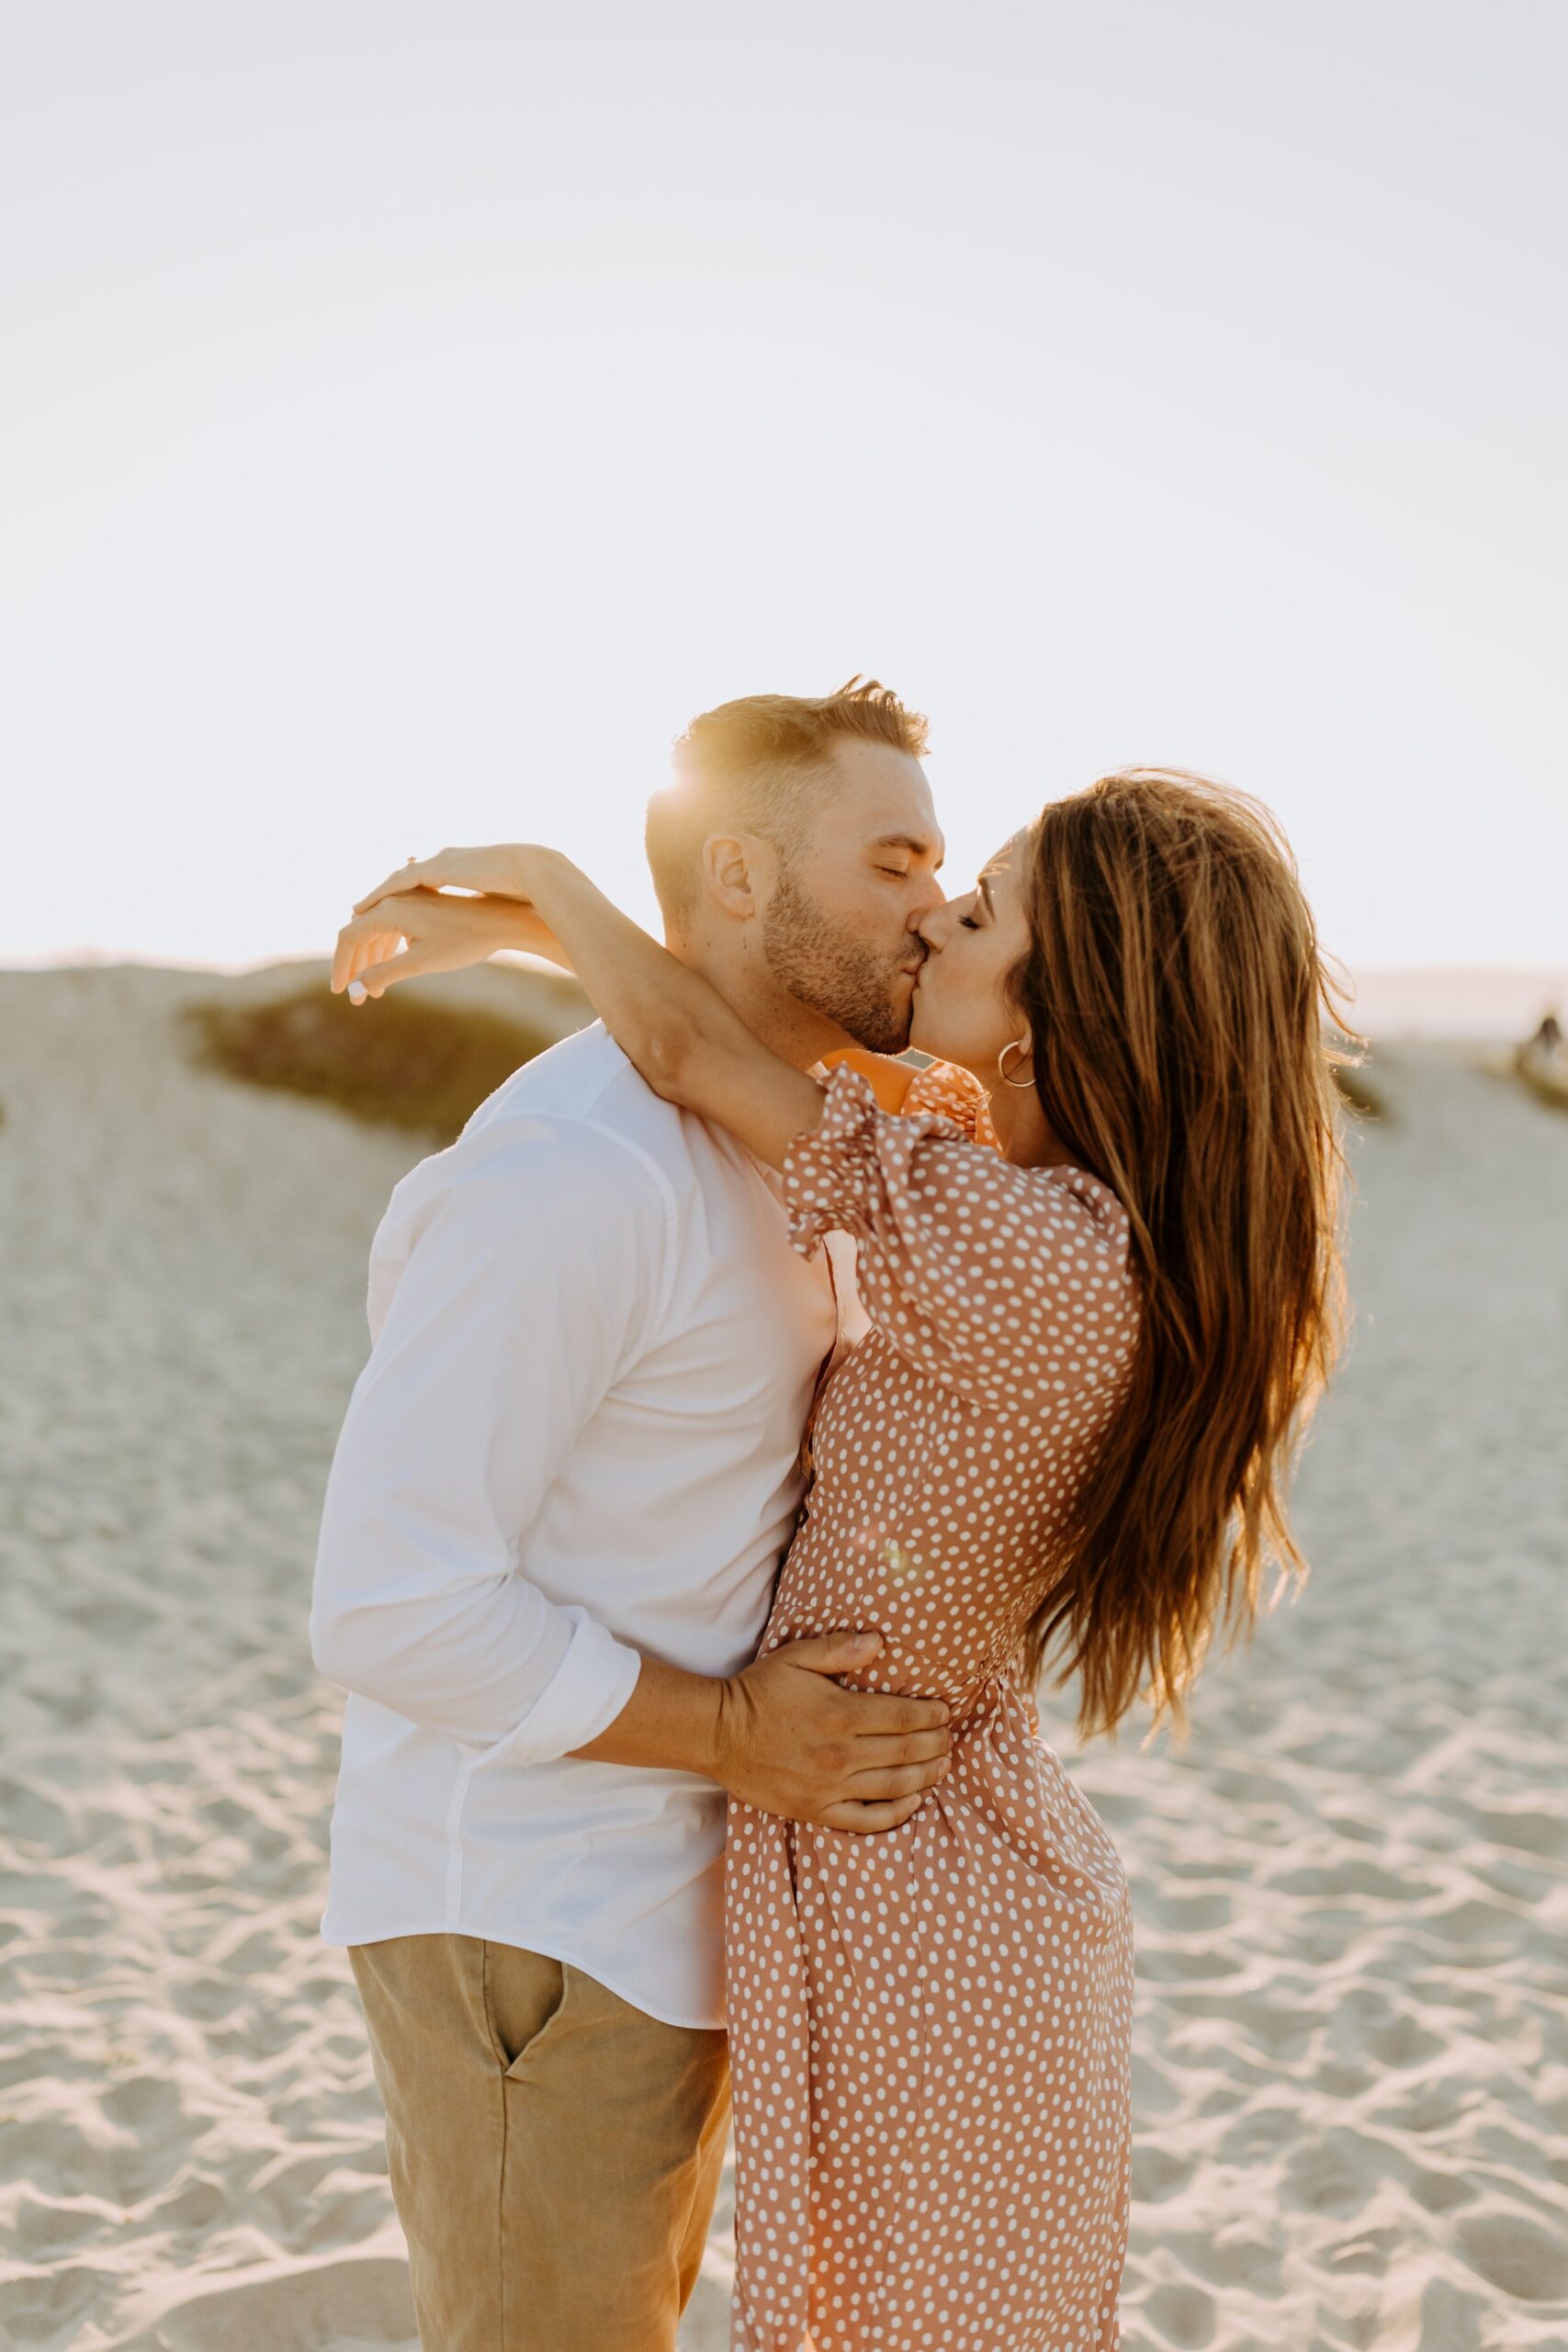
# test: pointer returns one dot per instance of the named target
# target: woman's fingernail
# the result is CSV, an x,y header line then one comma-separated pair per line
x,y
356,992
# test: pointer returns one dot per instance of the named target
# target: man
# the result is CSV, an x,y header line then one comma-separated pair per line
x,y
564,1484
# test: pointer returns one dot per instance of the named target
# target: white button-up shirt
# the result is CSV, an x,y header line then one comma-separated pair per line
x,y
576,1439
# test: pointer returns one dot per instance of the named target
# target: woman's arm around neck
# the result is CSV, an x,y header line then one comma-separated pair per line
x,y
689,1045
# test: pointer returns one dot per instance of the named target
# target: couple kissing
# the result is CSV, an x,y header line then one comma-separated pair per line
x,y
751,1415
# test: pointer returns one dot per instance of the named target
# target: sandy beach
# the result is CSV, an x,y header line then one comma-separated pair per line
x,y
1351,1888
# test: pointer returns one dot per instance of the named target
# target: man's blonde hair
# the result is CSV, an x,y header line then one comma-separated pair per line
x,y
760,766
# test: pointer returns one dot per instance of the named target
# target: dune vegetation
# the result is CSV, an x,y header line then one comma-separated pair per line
x,y
410,1061
1355,1092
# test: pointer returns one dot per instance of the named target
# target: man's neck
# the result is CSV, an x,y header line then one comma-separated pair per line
x,y
787,1027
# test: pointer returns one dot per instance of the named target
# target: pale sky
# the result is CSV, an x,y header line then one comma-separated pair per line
x,y
409,415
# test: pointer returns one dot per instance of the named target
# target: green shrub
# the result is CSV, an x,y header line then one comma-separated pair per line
x,y
404,1060
1355,1091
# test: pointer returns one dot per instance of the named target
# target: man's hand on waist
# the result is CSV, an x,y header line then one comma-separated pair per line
x,y
787,1737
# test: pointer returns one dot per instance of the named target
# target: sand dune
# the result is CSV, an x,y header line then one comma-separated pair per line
x,y
1496,1003
1351,1889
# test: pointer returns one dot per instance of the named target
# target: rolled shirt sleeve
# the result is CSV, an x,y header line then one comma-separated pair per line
x,y
513,1278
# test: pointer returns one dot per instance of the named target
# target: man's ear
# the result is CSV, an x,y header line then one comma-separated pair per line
x,y
738,872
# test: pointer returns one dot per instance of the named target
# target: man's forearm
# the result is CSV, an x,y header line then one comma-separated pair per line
x,y
672,1719
783,1736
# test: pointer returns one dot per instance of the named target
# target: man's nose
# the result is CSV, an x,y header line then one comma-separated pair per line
x,y
930,899
932,925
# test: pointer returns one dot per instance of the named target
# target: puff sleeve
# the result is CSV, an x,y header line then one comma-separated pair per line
x,y
1005,1283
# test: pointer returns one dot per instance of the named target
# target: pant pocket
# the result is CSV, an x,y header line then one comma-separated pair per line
x,y
524,1995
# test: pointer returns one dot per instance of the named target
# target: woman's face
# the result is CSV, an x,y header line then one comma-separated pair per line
x,y
962,1012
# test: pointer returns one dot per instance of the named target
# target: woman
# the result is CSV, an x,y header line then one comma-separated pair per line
x,y
1099,1252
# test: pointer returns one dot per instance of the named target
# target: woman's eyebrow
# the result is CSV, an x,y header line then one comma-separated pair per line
x,y
984,886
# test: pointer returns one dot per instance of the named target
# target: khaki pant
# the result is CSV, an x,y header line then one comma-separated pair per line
x,y
554,2152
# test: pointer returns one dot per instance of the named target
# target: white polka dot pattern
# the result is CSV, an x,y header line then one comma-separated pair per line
x,y
930,2029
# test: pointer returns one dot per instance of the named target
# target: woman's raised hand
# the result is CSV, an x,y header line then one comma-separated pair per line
x,y
401,934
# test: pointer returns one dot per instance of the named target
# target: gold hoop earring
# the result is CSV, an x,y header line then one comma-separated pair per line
x,y
1014,1046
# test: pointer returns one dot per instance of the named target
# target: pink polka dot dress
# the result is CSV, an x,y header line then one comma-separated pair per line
x,y
931,2029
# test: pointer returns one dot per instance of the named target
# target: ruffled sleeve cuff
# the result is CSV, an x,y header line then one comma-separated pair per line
x,y
953,1092
853,1172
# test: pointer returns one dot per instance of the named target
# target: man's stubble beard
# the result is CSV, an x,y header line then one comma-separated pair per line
x,y
834,973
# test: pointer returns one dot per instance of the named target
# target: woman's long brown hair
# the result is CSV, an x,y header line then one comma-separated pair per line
x,y
1176,999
